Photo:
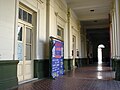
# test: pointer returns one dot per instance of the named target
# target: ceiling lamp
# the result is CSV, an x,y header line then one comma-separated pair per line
x,y
92,10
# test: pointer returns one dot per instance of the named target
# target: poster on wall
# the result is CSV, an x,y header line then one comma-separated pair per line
x,y
57,57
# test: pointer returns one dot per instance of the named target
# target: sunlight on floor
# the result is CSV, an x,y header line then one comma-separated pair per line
x,y
99,68
99,75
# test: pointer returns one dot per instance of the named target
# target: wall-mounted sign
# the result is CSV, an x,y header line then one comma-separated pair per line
x,y
57,56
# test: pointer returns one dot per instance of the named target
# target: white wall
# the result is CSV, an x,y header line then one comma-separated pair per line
x,y
58,12
74,29
57,16
83,53
7,17
39,9
41,51
48,16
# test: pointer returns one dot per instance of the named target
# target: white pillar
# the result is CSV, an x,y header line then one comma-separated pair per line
x,y
69,35
117,3
111,42
115,32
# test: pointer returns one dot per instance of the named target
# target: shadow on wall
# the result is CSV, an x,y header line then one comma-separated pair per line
x,y
43,49
41,64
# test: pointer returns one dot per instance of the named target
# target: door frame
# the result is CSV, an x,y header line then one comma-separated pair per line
x,y
25,62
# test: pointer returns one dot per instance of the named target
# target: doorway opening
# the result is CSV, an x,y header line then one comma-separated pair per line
x,y
100,47
25,43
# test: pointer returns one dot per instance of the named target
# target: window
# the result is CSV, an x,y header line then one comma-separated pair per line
x,y
19,33
29,18
20,13
25,16
60,32
28,52
28,43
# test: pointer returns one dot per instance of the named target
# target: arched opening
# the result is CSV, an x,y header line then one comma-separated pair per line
x,y
100,53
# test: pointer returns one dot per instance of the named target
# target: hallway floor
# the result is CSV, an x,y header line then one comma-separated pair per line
x,y
85,78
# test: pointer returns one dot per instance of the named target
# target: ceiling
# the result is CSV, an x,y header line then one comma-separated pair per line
x,y
97,18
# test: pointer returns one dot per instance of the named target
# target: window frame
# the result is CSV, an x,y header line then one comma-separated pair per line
x,y
61,30
28,11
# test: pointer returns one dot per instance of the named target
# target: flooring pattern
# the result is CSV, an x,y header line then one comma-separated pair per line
x,y
84,78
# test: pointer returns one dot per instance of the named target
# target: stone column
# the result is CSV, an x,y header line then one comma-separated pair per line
x,y
115,33
111,41
114,38
117,62
117,3
111,45
69,35
112,35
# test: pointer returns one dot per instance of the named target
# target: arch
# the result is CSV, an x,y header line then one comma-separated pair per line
x,y
100,47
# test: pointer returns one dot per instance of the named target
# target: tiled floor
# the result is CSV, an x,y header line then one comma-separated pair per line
x,y
84,78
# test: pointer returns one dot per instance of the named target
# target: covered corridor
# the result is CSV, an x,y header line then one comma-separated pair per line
x,y
94,77
60,39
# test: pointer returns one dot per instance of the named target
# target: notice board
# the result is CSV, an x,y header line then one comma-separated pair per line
x,y
57,57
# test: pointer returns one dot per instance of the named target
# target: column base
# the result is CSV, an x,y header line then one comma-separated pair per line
x,y
117,69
